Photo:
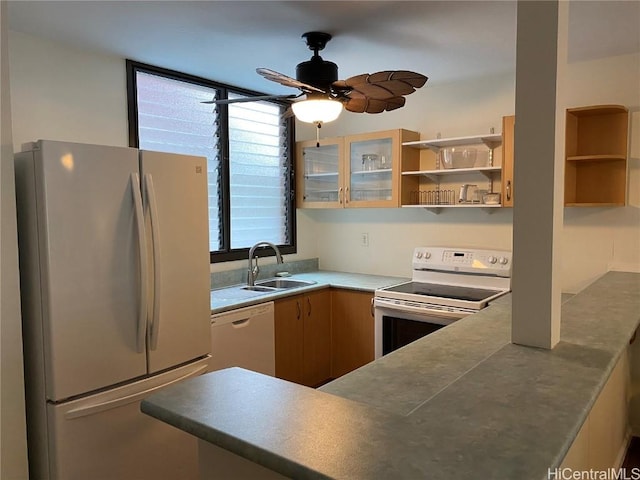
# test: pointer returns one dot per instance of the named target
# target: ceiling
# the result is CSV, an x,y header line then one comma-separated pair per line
x,y
226,40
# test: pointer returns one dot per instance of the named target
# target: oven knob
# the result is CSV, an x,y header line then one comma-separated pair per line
x,y
427,255
503,260
418,254
492,259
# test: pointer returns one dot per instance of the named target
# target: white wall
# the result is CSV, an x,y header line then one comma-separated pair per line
x,y
60,93
64,93
594,239
608,237
13,442
456,109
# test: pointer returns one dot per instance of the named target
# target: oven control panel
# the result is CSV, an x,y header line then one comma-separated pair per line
x,y
472,260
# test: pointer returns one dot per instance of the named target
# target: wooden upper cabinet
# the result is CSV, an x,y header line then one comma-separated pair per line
x,y
508,132
596,145
319,171
353,171
373,167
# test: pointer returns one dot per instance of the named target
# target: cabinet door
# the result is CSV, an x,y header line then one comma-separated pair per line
x,y
317,338
372,168
288,338
352,330
319,172
508,131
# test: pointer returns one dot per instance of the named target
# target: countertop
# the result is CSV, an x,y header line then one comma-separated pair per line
x,y
228,298
461,403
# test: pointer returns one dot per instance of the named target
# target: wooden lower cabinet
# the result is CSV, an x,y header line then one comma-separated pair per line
x,y
602,441
352,330
323,335
316,356
288,338
303,338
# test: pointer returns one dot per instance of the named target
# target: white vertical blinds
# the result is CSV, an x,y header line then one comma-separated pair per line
x,y
257,174
172,119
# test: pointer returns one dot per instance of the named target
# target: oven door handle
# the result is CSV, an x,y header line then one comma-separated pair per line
x,y
422,310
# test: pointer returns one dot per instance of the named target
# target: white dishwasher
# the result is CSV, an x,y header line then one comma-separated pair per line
x,y
244,337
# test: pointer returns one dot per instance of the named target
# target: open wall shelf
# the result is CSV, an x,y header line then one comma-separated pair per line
x,y
596,156
491,141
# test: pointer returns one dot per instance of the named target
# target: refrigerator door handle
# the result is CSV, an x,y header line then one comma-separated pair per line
x,y
154,328
142,252
85,411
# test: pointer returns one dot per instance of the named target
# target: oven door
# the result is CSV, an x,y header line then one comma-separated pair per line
x,y
397,325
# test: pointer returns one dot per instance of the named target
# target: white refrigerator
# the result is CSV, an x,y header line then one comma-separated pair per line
x,y
114,266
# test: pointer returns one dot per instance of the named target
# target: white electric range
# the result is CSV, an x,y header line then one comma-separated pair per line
x,y
447,284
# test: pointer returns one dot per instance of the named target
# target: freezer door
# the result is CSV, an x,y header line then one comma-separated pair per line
x,y
106,437
80,269
176,210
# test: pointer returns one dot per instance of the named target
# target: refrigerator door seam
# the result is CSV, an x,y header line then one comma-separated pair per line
x,y
117,402
142,252
154,328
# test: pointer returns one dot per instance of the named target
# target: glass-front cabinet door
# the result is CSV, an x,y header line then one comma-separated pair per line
x,y
373,163
370,170
354,171
319,169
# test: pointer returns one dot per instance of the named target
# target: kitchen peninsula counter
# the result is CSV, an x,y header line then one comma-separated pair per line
x,y
461,403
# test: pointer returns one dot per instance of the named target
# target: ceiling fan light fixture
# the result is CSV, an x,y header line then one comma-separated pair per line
x,y
317,110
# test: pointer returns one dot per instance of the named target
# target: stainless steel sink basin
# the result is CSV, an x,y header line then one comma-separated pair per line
x,y
282,283
274,284
258,288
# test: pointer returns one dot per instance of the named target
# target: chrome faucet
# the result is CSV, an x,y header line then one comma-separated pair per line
x,y
252,271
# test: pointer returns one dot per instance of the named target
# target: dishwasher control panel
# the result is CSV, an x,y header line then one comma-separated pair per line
x,y
241,313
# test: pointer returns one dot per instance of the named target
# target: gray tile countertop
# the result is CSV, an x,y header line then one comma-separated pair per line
x,y
461,403
228,298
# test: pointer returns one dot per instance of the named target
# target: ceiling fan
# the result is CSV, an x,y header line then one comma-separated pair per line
x,y
326,95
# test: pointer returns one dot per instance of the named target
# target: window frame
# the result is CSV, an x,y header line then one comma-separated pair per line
x,y
225,254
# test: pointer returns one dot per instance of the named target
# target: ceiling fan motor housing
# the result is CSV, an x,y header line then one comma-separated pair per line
x,y
317,72
371,93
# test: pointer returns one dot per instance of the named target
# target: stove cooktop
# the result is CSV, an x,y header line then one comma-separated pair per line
x,y
453,292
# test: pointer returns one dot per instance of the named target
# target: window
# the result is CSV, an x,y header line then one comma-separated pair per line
x,y
249,150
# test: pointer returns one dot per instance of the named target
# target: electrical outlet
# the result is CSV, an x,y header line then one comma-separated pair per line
x,y
364,239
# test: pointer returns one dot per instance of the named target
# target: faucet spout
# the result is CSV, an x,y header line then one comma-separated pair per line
x,y
252,271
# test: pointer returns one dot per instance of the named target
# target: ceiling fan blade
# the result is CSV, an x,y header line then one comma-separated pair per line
x,y
362,104
287,81
381,85
226,101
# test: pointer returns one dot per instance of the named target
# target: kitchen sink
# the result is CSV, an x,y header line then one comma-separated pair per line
x,y
258,288
284,283
274,284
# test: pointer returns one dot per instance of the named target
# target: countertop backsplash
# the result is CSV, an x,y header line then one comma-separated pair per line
x,y
239,275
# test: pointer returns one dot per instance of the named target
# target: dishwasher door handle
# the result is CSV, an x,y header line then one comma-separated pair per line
x,y
244,322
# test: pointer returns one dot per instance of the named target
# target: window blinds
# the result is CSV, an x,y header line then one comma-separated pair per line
x,y
171,118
